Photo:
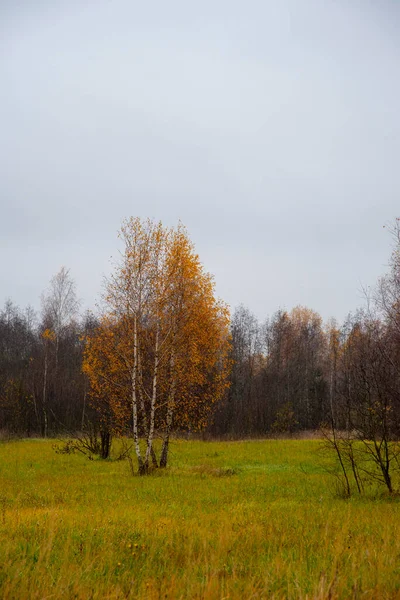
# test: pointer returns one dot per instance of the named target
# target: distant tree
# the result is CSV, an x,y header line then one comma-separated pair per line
x,y
17,344
60,305
294,367
276,365
285,421
365,406
239,413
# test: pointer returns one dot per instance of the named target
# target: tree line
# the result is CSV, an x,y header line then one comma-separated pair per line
x,y
294,372
162,355
42,388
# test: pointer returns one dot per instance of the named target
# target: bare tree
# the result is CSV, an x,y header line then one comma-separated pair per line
x,y
367,402
60,304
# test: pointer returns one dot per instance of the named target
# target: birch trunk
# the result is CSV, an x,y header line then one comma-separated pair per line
x,y
144,416
134,398
83,410
36,411
170,414
44,395
153,401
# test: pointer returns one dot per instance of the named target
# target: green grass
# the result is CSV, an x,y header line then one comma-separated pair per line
x,y
254,519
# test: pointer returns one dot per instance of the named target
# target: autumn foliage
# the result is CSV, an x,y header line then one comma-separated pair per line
x,y
159,358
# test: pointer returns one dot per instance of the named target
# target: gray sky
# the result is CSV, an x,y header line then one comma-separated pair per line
x,y
271,128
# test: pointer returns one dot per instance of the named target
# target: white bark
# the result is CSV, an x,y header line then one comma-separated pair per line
x,y
153,399
134,396
44,394
170,413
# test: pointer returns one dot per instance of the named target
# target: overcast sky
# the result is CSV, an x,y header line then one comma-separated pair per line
x,y
271,128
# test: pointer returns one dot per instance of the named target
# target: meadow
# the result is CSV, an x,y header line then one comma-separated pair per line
x,y
237,520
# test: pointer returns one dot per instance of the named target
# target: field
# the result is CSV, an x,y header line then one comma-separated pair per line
x,y
255,519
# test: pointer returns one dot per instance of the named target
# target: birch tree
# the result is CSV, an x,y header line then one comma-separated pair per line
x,y
198,343
60,304
160,351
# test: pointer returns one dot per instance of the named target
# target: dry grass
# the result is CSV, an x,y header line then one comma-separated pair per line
x,y
227,520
